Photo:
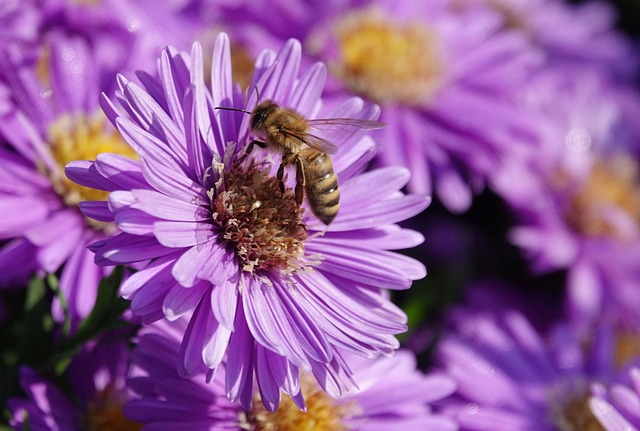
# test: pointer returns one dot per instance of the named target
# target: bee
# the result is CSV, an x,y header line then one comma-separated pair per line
x,y
288,132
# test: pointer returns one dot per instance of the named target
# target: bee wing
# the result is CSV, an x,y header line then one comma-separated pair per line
x,y
311,140
339,129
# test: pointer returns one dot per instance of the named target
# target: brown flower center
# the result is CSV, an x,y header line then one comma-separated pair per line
x,y
576,416
612,186
388,61
323,412
105,413
263,225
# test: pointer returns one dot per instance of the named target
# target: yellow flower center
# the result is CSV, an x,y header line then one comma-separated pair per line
x,y
81,137
388,61
611,186
105,414
323,412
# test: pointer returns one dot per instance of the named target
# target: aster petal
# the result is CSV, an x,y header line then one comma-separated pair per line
x,y
196,151
267,322
120,170
608,415
17,176
388,211
126,248
216,343
156,273
71,68
222,92
84,173
166,207
79,283
182,234
174,77
13,223
239,371
56,237
267,385
191,347
134,222
153,119
385,181
180,300
224,300
387,237
287,63
307,90
372,267
204,122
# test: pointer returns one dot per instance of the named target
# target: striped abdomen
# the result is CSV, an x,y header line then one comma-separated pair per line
x,y
321,184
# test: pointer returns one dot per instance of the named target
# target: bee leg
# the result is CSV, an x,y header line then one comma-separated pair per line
x,y
301,180
260,144
280,177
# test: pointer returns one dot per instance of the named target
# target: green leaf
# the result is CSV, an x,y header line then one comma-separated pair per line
x,y
108,308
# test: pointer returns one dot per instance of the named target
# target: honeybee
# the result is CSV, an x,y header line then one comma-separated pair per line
x,y
286,131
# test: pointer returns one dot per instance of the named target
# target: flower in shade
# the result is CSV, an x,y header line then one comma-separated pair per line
x,y
269,285
93,400
576,198
618,408
392,395
512,377
581,34
445,77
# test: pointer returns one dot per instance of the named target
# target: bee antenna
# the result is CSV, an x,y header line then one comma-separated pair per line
x,y
223,108
257,92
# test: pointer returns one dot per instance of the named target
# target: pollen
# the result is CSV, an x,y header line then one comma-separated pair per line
x,y
81,137
262,224
323,412
105,413
388,61
611,188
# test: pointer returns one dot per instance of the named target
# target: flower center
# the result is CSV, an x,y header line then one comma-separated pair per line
x,y
262,225
388,61
242,65
627,347
81,137
105,413
610,190
323,412
577,416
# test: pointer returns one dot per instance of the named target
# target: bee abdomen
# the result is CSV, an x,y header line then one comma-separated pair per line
x,y
322,188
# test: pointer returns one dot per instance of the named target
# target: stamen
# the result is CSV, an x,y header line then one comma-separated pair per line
x,y
261,224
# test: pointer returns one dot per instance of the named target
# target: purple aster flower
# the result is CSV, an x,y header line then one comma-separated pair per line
x,y
95,397
576,198
269,285
392,395
582,34
511,377
445,77
52,118
50,81
618,408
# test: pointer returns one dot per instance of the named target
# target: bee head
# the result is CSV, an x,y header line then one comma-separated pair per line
x,y
260,113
